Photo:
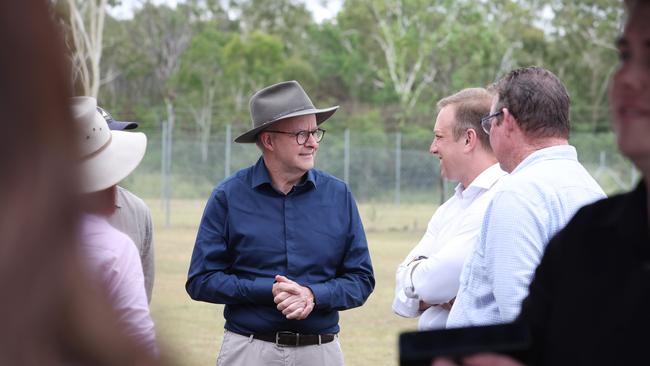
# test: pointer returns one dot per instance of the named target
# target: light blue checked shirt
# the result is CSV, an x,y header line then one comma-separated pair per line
x,y
530,205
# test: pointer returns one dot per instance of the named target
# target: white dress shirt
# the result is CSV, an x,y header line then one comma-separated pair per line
x,y
529,206
450,237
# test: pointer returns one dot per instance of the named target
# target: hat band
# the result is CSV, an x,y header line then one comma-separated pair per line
x,y
96,152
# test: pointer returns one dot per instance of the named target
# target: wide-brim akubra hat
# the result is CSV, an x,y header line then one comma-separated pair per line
x,y
280,101
107,157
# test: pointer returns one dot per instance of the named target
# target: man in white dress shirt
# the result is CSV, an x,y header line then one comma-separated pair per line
x,y
428,279
529,129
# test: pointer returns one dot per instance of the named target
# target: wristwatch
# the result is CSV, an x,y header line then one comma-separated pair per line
x,y
409,291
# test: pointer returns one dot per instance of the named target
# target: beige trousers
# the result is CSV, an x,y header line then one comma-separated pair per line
x,y
238,350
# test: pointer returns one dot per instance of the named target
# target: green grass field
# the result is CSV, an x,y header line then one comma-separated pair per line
x,y
191,331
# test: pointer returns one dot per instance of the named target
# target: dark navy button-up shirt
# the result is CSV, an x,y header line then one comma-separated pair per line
x,y
250,232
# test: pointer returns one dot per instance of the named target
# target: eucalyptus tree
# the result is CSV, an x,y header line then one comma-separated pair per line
x,y
200,80
584,36
411,52
162,35
83,23
201,83
251,62
399,39
289,20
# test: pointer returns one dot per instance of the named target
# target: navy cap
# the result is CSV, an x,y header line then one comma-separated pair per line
x,y
116,125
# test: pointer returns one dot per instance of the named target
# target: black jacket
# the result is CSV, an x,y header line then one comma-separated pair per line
x,y
589,303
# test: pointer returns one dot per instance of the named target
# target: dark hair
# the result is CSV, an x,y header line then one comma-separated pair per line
x,y
537,99
471,105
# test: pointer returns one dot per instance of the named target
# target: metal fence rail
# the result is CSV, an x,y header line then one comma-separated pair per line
x,y
384,168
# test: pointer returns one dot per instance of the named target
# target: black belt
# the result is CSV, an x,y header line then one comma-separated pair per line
x,y
292,339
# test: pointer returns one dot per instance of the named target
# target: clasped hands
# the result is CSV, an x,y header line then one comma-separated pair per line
x,y
446,305
294,301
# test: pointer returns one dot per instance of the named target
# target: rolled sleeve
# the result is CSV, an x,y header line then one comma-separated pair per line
x,y
436,279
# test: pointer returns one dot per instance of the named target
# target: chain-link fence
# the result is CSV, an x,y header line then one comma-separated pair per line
x,y
378,168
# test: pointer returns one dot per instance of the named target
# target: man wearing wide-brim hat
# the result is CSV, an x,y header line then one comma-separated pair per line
x,y
281,243
132,215
106,158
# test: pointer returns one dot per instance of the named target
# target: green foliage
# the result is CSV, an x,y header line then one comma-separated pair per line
x,y
386,62
254,60
296,68
585,36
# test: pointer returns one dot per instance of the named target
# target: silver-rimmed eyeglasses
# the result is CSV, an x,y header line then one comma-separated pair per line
x,y
486,122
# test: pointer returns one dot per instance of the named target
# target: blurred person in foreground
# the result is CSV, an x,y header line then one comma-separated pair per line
x,y
107,157
281,243
529,130
589,301
427,280
50,313
132,216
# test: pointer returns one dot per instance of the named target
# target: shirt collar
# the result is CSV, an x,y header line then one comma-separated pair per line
x,y
118,198
482,182
562,152
261,176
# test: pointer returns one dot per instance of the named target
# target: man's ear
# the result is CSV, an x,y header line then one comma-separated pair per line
x,y
471,139
509,121
266,140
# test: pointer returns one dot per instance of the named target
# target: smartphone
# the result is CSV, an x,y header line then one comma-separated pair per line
x,y
420,348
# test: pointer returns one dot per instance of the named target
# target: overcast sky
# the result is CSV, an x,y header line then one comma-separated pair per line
x,y
320,11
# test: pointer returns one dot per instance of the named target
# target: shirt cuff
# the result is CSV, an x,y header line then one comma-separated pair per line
x,y
406,307
262,291
321,295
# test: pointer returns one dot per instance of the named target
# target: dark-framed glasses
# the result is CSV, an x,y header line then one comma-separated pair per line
x,y
486,122
303,135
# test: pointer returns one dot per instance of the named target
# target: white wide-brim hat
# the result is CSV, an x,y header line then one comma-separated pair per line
x,y
107,157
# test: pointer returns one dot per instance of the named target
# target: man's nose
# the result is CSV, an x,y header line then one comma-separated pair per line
x,y
311,140
433,149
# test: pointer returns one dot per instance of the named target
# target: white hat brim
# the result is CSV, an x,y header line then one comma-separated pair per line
x,y
114,163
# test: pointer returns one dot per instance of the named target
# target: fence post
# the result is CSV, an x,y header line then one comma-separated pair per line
x,y
228,147
163,164
346,156
398,166
166,168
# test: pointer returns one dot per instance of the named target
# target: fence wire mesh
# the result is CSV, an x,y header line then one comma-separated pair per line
x,y
385,168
